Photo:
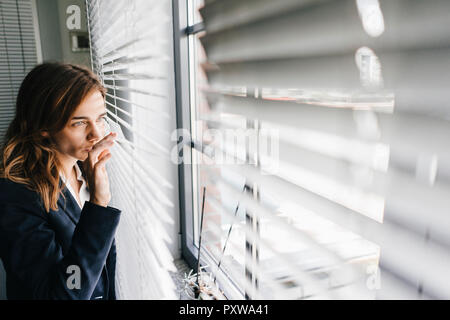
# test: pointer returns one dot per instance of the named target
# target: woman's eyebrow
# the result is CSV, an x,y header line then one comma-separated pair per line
x,y
87,118
78,118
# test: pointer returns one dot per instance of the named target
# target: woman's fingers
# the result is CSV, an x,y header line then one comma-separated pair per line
x,y
101,162
100,147
96,170
102,154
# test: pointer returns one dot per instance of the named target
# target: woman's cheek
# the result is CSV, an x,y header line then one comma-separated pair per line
x,y
77,141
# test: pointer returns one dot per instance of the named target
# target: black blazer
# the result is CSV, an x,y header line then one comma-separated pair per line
x,y
37,247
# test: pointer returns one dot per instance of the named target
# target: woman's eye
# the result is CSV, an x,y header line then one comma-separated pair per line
x,y
78,123
103,119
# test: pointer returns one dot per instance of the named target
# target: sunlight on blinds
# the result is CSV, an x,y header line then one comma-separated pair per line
x,y
131,52
352,200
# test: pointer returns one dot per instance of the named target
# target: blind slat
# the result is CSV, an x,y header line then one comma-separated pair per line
x,y
429,76
424,135
150,107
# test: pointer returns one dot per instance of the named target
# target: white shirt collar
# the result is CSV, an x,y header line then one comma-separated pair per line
x,y
84,193
79,173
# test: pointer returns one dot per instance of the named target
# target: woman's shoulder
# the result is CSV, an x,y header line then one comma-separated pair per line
x,y
14,192
20,210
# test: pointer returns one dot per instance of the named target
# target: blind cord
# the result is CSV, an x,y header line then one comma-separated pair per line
x,y
197,290
228,236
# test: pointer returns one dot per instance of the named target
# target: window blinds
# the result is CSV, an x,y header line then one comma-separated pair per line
x,y
131,53
17,54
357,94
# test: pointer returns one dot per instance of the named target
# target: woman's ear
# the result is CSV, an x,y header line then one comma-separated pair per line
x,y
44,134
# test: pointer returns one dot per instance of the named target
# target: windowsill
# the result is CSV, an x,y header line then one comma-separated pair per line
x,y
182,270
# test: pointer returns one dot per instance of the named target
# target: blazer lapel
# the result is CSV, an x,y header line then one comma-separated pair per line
x,y
70,206
83,173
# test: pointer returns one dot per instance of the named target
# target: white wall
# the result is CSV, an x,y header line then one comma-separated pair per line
x,y
54,35
49,30
82,58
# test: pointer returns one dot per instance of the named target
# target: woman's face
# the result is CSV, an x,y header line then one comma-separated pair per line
x,y
85,128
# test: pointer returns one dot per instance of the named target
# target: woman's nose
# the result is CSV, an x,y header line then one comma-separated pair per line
x,y
96,132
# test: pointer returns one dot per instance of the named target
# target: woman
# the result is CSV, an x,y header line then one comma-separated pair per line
x,y
56,228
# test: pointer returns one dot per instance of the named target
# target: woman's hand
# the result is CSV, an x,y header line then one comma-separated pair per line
x,y
95,169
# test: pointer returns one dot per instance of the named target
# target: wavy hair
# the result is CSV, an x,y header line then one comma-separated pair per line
x,y
47,98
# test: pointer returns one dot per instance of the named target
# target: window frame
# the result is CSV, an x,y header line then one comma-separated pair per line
x,y
183,88
182,101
